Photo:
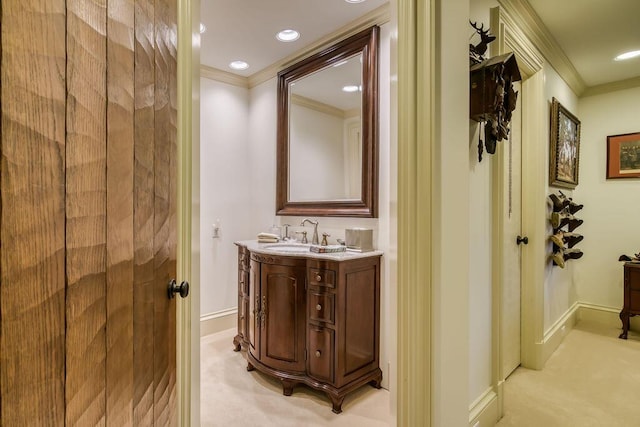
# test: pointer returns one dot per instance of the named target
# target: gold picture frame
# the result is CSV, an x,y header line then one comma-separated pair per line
x,y
564,152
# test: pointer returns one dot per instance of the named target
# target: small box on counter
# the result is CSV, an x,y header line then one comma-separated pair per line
x,y
329,249
359,239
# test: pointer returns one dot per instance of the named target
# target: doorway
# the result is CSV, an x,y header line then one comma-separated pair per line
x,y
529,257
512,239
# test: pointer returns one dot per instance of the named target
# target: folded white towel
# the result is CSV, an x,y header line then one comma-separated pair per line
x,y
267,240
268,236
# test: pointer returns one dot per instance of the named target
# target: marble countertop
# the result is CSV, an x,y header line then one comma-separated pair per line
x,y
301,250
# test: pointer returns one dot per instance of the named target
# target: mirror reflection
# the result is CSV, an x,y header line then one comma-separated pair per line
x,y
325,133
327,162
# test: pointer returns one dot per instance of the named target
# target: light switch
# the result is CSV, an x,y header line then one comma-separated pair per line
x,y
215,230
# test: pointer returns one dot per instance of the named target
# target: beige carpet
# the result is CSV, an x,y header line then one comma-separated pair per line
x,y
231,396
593,379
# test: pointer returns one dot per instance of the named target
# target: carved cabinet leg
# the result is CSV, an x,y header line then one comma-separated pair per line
x,y
337,403
287,387
624,316
250,367
237,343
377,381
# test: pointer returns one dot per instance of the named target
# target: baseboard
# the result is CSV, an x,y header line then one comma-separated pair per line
x,y
608,316
554,336
484,411
218,321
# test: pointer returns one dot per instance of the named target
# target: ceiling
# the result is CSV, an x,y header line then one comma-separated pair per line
x,y
246,29
590,32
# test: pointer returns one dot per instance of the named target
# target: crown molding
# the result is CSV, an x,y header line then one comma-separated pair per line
x,y
510,38
377,16
532,26
223,76
317,106
612,87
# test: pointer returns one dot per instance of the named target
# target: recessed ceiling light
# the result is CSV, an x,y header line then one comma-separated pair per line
x,y
239,65
350,88
288,35
203,28
354,1
627,55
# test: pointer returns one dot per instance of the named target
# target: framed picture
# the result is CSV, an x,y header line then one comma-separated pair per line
x,y
623,156
564,154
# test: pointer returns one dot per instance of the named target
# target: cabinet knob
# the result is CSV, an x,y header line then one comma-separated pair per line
x,y
318,353
318,278
318,307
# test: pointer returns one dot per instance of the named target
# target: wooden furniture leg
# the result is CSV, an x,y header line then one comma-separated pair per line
x,y
624,316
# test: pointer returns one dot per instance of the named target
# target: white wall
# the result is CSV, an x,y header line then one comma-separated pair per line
x,y
480,241
239,134
451,233
224,190
612,207
559,288
261,156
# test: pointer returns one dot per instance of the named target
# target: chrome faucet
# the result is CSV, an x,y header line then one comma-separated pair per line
x,y
315,239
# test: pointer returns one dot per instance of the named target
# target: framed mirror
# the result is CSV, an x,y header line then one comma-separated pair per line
x,y
327,159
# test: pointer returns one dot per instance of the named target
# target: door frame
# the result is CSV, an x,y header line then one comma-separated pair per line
x,y
510,38
415,89
187,309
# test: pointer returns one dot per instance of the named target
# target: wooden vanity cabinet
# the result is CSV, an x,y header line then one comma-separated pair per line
x,y
314,321
631,304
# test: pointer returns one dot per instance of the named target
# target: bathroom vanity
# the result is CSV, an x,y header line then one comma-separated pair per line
x,y
308,318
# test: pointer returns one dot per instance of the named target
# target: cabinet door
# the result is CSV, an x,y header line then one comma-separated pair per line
x,y
282,327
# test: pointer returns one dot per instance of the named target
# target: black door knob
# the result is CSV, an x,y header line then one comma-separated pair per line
x,y
524,240
182,289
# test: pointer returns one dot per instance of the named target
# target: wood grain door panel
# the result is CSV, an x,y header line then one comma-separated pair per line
x,y
32,218
88,150
86,213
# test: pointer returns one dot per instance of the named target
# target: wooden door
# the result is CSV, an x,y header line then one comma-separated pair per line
x,y
88,212
510,324
283,327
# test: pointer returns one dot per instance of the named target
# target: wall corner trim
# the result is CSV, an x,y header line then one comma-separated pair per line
x,y
217,322
612,87
485,409
223,76
554,336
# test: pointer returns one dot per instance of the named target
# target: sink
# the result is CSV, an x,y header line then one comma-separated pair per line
x,y
288,247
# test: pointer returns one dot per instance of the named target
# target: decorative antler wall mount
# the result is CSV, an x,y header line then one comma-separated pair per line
x,y
493,98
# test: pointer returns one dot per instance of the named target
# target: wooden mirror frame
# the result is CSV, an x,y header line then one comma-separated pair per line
x,y
365,42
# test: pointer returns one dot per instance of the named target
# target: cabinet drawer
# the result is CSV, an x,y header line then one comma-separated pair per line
x,y
320,353
321,307
634,301
322,277
633,278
